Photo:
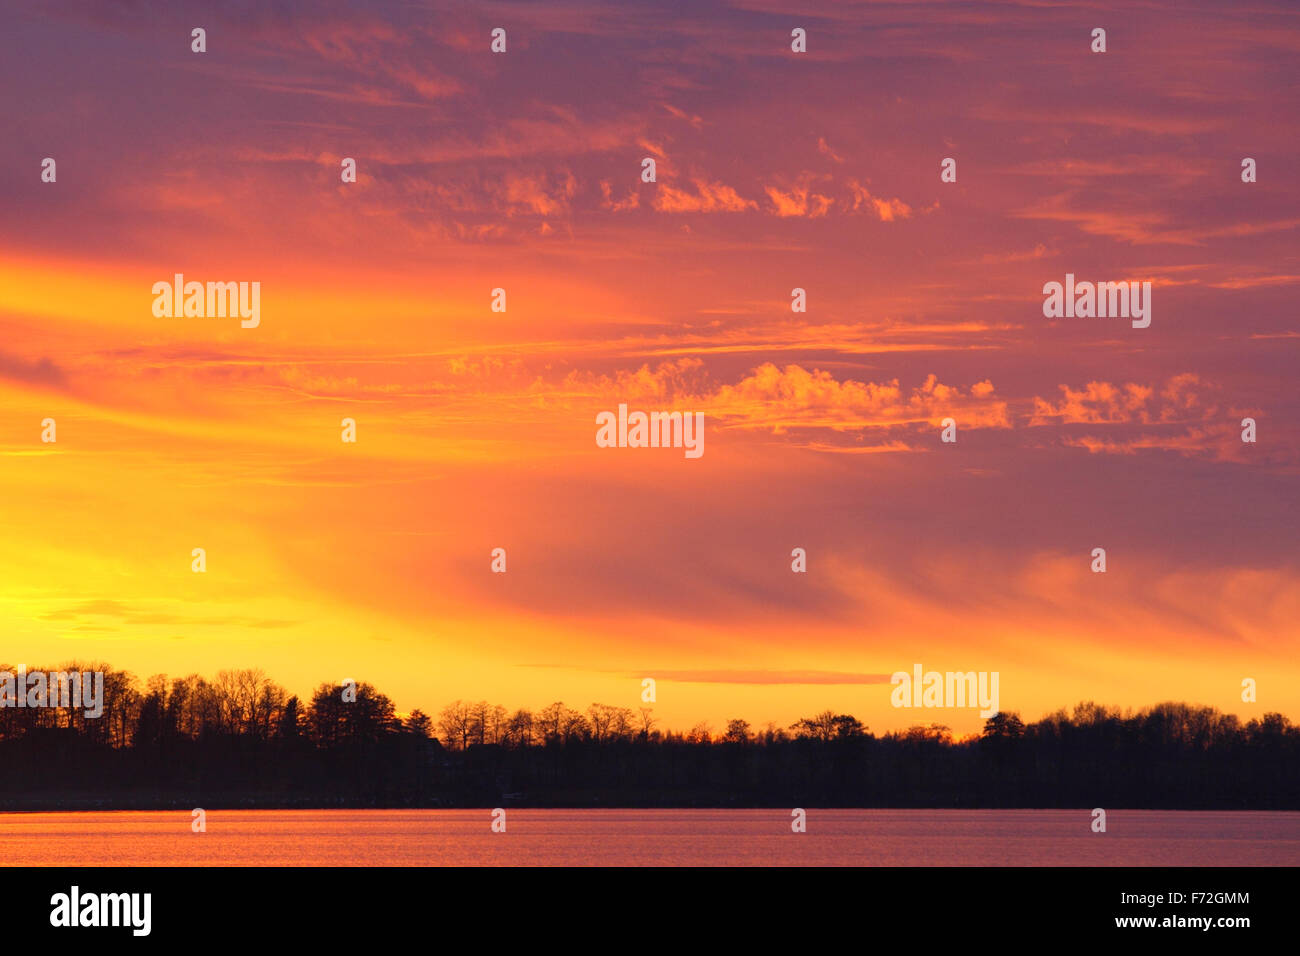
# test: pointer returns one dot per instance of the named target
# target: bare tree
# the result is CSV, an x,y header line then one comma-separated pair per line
x,y
479,721
575,726
600,716
550,721
737,732
497,721
701,733
520,728
821,727
454,724
621,723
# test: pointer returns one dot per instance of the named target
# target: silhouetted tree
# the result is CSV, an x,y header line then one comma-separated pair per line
x,y
737,732
240,740
418,722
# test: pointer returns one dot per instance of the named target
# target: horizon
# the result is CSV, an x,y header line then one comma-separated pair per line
x,y
142,685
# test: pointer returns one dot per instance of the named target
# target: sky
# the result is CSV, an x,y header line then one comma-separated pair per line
x,y
475,429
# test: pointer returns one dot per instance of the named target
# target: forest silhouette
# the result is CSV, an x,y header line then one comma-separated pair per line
x,y
240,740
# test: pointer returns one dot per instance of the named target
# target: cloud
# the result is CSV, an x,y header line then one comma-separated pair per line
x,y
825,150
42,371
708,197
887,210
1255,282
798,202
129,615
795,397
1185,415
536,194
1095,403
690,118
764,677
1141,226
1183,398
1196,442
631,201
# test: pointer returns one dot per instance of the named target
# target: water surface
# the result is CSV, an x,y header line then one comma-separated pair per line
x,y
651,838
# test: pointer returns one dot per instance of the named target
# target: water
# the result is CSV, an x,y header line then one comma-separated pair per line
x,y
651,837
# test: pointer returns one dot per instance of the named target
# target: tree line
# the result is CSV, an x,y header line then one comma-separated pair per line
x,y
240,739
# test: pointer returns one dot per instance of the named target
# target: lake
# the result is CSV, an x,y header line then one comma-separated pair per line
x,y
652,838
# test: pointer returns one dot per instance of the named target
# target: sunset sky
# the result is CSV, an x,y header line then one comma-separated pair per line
x,y
476,429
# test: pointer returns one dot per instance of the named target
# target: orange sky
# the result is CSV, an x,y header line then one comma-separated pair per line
x,y
476,429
